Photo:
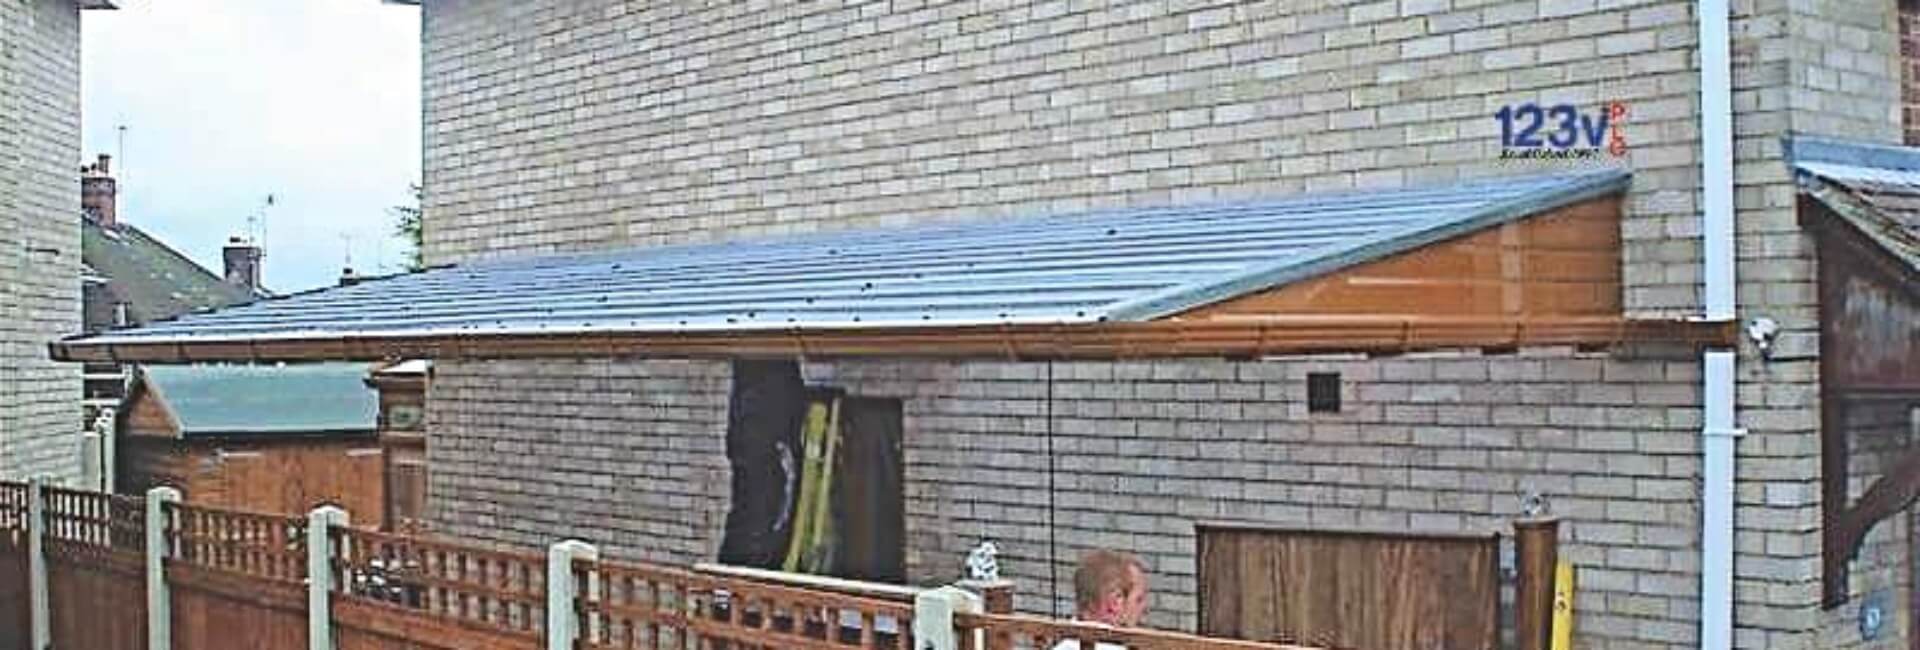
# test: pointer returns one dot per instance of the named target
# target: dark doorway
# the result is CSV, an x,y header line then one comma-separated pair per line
x,y
777,488
870,503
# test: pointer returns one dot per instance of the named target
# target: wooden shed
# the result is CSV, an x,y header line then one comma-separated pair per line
x,y
263,438
403,441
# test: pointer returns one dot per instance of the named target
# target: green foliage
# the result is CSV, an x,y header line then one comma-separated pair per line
x,y
407,225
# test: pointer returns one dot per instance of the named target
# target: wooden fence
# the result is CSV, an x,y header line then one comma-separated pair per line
x,y
15,611
1350,589
96,565
236,580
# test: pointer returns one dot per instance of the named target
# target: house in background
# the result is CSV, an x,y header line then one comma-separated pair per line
x,y
132,278
266,438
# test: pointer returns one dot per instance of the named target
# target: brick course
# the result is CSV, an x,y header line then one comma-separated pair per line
x,y
39,235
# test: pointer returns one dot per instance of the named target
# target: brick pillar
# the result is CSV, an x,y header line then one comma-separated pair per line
x,y
1910,70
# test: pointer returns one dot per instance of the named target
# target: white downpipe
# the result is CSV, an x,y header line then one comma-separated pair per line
x,y
1718,433
1716,520
1716,158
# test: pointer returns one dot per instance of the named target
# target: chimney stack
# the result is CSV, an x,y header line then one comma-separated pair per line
x,y
98,192
348,278
243,264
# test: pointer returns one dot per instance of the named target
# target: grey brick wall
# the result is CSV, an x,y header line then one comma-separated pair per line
x,y
1141,451
1820,68
39,235
629,454
561,125
554,124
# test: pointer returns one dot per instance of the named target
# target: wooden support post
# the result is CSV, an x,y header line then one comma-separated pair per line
x,y
996,597
320,575
39,597
1537,555
159,604
563,620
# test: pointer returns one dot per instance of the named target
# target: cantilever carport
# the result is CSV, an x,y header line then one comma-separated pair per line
x,y
1862,204
1493,263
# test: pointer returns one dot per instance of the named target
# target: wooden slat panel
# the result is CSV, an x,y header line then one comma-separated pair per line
x,y
1036,633
361,625
271,547
1565,263
503,590
148,418
15,606
82,587
1331,589
214,610
634,607
290,477
231,590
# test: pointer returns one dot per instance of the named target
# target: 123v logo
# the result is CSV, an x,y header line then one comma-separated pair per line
x,y
1561,131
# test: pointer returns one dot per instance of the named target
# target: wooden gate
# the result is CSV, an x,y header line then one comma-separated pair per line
x,y
1350,589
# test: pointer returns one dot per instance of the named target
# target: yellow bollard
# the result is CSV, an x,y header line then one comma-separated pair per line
x,y
1563,606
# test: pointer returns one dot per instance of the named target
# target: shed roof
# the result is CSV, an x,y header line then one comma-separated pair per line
x,y
265,399
1875,188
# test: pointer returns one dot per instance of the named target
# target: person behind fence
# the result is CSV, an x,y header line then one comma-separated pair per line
x,y
1110,588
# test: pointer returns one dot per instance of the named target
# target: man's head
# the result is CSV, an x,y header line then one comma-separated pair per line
x,y
1110,587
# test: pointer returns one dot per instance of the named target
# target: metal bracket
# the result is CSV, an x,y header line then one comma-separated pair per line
x,y
1716,432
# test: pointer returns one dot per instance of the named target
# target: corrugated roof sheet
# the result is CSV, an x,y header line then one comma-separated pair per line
x,y
266,399
1118,265
1875,188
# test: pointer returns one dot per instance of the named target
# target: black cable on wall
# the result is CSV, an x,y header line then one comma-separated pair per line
x,y
1053,538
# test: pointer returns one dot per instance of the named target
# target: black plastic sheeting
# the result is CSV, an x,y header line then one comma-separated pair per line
x,y
765,415
763,447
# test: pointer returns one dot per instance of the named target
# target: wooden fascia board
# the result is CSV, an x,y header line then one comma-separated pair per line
x,y
1240,337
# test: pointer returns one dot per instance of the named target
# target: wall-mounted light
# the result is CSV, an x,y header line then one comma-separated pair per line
x,y
1763,332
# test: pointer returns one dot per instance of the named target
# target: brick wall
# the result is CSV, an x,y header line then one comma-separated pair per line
x,y
1143,450
559,125
1839,64
39,235
555,125
629,454
1140,452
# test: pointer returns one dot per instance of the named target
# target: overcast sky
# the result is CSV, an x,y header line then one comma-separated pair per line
x,y
314,101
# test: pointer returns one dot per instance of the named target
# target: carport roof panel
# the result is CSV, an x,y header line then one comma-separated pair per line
x,y
1875,188
1135,264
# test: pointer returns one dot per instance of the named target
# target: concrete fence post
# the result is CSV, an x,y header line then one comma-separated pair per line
x,y
933,612
563,625
320,575
159,602
39,597
91,461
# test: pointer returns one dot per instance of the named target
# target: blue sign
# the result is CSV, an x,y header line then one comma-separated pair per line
x,y
1561,131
